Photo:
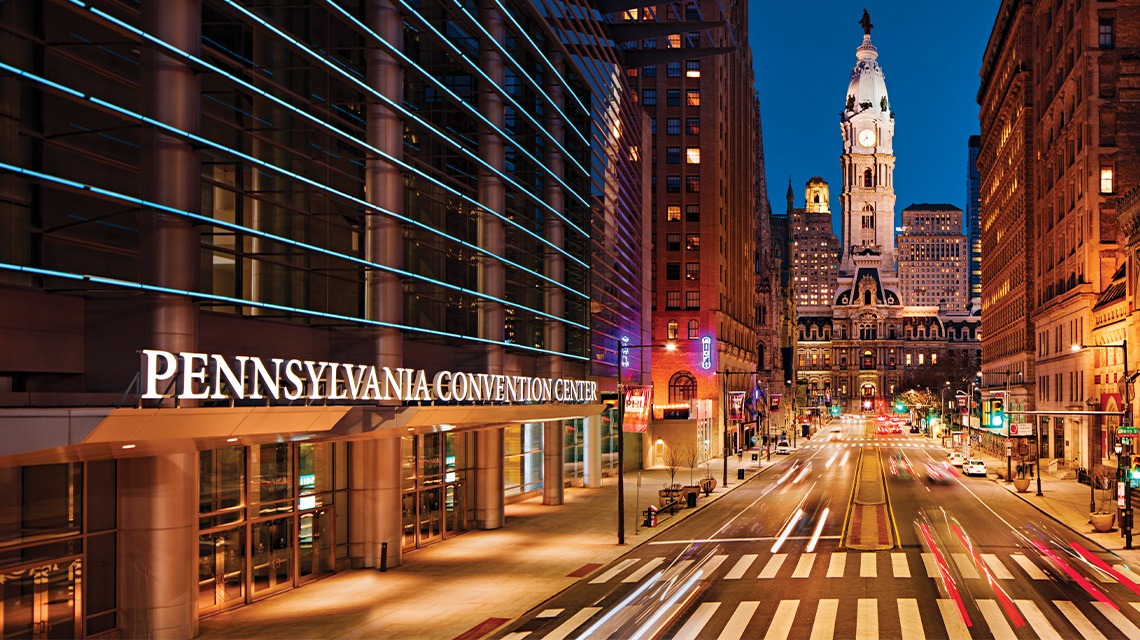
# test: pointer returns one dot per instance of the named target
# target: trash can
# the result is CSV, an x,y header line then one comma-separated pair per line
x,y
691,499
740,473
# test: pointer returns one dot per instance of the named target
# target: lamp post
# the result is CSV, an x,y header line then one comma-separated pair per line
x,y
724,414
622,355
1123,453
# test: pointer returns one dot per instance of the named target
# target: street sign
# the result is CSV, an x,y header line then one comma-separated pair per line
x,y
1021,429
1128,430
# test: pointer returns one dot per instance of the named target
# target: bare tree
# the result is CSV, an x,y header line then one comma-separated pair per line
x,y
690,457
672,460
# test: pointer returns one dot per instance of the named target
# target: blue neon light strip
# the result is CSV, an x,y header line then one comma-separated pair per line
x,y
126,284
340,134
431,78
473,156
197,217
273,168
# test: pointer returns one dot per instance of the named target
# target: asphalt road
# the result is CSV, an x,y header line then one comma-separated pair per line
x,y
766,561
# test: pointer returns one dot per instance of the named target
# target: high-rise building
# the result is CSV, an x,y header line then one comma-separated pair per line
x,y
933,258
869,343
815,249
289,286
771,298
695,80
973,219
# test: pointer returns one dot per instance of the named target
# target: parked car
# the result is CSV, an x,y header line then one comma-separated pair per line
x,y
782,448
974,467
957,459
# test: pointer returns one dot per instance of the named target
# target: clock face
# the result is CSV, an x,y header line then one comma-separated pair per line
x,y
867,137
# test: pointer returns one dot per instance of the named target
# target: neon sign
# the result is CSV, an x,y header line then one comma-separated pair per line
x,y
706,352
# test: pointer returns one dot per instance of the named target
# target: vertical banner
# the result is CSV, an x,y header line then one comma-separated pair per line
x,y
636,409
736,405
775,404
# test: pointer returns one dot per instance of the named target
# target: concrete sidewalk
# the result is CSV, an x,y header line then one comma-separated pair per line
x,y
470,585
1066,501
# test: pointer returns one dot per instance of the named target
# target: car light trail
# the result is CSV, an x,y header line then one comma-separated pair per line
x,y
818,530
844,460
807,468
1077,577
787,530
1003,597
1103,566
669,603
831,460
609,614
944,570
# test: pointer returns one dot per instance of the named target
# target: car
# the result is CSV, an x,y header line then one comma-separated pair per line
x,y
974,467
957,459
834,434
782,448
936,473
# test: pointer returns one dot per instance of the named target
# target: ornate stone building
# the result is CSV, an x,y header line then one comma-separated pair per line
x,y
868,344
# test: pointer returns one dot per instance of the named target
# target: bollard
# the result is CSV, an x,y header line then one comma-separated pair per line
x,y
383,556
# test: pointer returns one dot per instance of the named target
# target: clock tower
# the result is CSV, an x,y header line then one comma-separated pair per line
x,y
867,200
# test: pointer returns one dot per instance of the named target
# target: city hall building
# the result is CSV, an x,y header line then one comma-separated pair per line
x,y
293,288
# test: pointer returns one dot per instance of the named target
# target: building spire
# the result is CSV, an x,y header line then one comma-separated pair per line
x,y
791,196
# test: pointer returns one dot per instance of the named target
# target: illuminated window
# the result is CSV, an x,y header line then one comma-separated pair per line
x,y
673,300
692,271
934,358
692,242
671,330
693,68
675,41
908,359
692,184
694,333
1106,182
673,213
693,97
693,155
921,359
692,299
693,126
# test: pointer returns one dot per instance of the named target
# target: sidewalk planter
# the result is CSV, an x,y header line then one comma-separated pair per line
x,y
1102,521
707,485
1021,484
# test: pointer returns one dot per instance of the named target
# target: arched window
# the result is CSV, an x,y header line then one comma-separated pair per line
x,y
682,387
868,178
817,198
671,330
694,330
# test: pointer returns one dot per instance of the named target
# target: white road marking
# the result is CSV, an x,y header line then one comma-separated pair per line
x,y
952,618
998,569
1037,620
803,567
999,626
644,570
965,565
910,622
738,624
824,626
773,565
1086,628
868,567
612,573
899,565
1028,566
837,565
931,566
1115,617
867,619
782,622
741,566
697,621
573,623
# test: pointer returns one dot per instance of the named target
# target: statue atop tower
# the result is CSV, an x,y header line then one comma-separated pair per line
x,y
866,22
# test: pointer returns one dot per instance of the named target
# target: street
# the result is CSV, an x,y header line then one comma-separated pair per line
x,y
778,558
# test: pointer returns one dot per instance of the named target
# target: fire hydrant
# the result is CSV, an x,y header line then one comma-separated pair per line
x,y
650,516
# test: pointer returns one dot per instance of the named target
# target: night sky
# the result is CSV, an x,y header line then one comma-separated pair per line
x,y
930,52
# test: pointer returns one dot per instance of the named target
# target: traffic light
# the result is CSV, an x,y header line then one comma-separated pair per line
x,y
900,407
997,413
834,409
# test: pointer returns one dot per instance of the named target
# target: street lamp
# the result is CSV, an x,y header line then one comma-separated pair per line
x,y
724,414
1123,453
622,354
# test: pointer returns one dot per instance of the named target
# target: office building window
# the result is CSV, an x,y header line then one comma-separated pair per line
x,y
693,97
692,242
653,126
649,97
673,155
673,184
649,72
672,270
692,155
673,300
673,97
674,41
672,242
692,299
1107,39
673,70
673,126
693,68
692,213
692,184
1106,182
673,213
692,271
691,11
693,126
694,330
671,330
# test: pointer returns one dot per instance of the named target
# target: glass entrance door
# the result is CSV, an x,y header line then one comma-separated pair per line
x,y
315,545
221,570
431,515
42,601
272,555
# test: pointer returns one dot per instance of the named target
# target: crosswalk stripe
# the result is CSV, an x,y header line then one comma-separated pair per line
x,y
1135,605
837,565
1071,613
1027,565
803,567
1128,573
576,620
696,623
998,569
518,635
612,573
713,564
549,613
1037,620
738,624
868,567
899,565
952,618
999,626
644,570
867,619
931,565
910,622
773,566
1115,617
824,626
966,567
782,622
741,566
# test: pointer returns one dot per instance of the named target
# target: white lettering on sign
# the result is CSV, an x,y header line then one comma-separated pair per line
x,y
202,376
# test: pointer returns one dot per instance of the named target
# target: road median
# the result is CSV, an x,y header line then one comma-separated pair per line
x,y
868,526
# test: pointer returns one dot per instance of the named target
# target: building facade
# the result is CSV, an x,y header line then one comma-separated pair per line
x,y
294,288
869,343
973,218
815,249
934,258
695,81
